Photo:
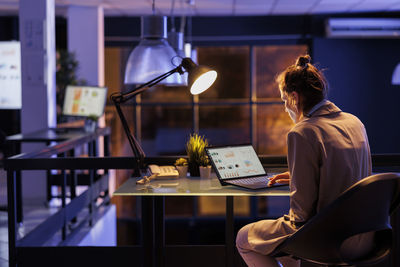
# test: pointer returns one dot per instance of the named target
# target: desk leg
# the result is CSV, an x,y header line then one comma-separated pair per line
x,y
153,224
229,232
12,217
92,200
63,203
48,186
159,223
147,230
73,180
20,214
16,149
106,145
92,173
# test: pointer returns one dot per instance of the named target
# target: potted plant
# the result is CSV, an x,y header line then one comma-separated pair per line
x,y
91,123
195,151
181,165
205,167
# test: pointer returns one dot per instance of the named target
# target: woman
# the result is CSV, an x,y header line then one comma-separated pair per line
x,y
328,151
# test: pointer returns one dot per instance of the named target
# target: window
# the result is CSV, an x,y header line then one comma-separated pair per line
x,y
243,106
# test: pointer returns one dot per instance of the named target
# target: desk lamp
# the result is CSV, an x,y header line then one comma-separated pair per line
x,y
200,78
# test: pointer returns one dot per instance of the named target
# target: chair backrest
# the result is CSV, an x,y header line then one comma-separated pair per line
x,y
362,208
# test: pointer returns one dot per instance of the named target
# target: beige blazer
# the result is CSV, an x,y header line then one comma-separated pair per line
x,y
327,153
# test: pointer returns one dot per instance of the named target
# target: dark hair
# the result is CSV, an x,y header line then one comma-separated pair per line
x,y
306,80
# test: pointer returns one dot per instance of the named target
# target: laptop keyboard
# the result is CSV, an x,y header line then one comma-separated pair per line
x,y
252,180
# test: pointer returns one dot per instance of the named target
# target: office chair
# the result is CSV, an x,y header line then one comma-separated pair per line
x,y
364,207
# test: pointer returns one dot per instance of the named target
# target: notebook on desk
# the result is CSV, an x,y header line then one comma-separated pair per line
x,y
238,165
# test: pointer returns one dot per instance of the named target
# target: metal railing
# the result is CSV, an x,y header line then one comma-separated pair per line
x,y
97,188
66,167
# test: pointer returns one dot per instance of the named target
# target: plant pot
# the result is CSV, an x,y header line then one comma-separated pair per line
x,y
205,171
182,170
90,126
194,169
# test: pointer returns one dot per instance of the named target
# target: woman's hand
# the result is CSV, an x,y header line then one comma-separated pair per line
x,y
282,178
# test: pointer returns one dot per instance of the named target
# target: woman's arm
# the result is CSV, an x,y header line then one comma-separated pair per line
x,y
304,176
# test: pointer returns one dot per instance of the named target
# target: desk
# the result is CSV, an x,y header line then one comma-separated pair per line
x,y
48,136
153,195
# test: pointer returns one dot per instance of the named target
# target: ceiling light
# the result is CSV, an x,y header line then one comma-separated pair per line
x,y
153,56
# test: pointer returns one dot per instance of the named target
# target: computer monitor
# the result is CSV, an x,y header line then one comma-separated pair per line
x,y
84,101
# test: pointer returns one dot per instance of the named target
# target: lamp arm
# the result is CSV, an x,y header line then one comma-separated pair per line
x,y
135,146
118,98
123,97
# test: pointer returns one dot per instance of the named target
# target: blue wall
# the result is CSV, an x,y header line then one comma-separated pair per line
x,y
359,72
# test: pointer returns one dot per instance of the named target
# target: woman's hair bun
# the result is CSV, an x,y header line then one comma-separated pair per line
x,y
303,60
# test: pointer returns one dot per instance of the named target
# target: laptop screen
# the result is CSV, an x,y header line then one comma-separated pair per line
x,y
84,101
235,161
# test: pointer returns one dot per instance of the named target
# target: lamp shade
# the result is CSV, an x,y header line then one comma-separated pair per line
x,y
200,78
153,56
203,81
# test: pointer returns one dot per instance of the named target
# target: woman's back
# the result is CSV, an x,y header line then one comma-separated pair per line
x,y
339,156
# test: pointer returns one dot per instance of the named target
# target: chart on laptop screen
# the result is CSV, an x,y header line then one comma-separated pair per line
x,y
236,161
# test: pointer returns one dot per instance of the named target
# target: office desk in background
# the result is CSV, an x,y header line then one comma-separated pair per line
x,y
153,212
48,136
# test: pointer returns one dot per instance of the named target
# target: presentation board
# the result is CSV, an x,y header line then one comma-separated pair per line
x,y
10,75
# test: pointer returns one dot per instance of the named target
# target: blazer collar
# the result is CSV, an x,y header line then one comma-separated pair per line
x,y
326,109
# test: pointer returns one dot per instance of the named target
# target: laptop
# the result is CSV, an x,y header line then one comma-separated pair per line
x,y
238,165
82,102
